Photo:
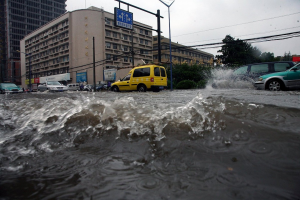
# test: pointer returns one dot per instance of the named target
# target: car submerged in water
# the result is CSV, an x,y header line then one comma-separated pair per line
x,y
251,72
9,88
289,79
52,86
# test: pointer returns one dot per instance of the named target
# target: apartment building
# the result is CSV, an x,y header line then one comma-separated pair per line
x,y
64,46
180,53
17,19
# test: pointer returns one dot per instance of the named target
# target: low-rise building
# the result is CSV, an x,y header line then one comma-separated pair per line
x,y
65,46
180,53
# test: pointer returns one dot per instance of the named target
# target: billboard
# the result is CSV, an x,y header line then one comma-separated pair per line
x,y
110,74
81,77
296,59
58,77
123,19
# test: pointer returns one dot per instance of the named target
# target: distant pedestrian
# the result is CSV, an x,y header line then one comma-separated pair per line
x,y
23,90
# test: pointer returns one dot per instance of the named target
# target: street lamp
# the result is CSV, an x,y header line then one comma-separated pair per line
x,y
170,41
28,54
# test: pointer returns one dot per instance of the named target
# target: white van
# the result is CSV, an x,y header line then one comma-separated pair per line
x,y
73,86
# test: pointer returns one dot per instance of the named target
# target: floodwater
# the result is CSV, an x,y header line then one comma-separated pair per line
x,y
229,143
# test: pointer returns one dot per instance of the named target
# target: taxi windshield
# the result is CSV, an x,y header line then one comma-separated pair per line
x,y
127,77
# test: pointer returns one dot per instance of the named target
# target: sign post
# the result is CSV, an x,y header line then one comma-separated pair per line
x,y
123,19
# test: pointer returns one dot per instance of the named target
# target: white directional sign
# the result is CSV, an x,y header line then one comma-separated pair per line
x,y
123,18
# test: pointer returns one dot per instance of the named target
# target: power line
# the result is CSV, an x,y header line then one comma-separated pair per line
x,y
245,35
254,40
238,24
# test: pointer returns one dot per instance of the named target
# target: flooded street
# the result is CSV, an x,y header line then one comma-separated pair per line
x,y
225,143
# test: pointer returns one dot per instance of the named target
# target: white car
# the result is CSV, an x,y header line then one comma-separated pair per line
x,y
73,86
52,86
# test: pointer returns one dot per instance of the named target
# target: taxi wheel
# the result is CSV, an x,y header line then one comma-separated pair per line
x,y
142,88
115,89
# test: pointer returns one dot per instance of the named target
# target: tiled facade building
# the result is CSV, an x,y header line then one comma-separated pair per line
x,y
65,46
17,19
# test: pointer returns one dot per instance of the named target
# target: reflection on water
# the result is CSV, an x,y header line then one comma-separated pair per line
x,y
178,145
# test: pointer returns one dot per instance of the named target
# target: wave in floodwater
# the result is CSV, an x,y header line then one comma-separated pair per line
x,y
223,79
86,147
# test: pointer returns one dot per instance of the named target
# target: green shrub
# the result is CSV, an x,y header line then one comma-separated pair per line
x,y
201,84
186,84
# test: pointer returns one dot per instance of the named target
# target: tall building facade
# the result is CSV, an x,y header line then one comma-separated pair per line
x,y
63,48
17,19
180,53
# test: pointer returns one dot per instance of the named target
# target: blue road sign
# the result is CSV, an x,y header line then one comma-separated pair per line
x,y
123,18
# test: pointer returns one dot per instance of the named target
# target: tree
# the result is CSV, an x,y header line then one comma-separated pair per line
x,y
287,57
237,52
268,57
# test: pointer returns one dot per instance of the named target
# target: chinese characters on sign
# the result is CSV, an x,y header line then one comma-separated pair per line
x,y
110,74
123,18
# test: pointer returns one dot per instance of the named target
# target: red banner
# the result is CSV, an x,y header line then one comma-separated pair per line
x,y
296,59
36,80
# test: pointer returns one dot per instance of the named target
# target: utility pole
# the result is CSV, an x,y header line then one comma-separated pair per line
x,y
170,42
94,73
132,52
158,36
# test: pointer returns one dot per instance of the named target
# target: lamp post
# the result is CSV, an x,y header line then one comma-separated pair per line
x,y
28,54
170,41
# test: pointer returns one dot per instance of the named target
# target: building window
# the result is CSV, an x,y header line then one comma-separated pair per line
x,y
115,46
107,21
141,41
108,56
146,42
126,59
141,31
115,35
107,45
146,32
107,33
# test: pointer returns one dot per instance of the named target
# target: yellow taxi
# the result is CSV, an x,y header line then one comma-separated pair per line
x,y
143,78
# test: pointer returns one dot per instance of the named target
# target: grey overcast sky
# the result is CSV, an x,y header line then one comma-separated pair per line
x,y
195,22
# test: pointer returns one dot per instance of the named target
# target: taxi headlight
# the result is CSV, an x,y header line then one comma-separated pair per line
x,y
260,79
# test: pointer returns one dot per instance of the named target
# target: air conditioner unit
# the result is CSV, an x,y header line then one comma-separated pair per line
x,y
123,38
122,49
135,30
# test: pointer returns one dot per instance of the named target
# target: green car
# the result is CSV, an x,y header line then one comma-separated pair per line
x,y
289,79
9,88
